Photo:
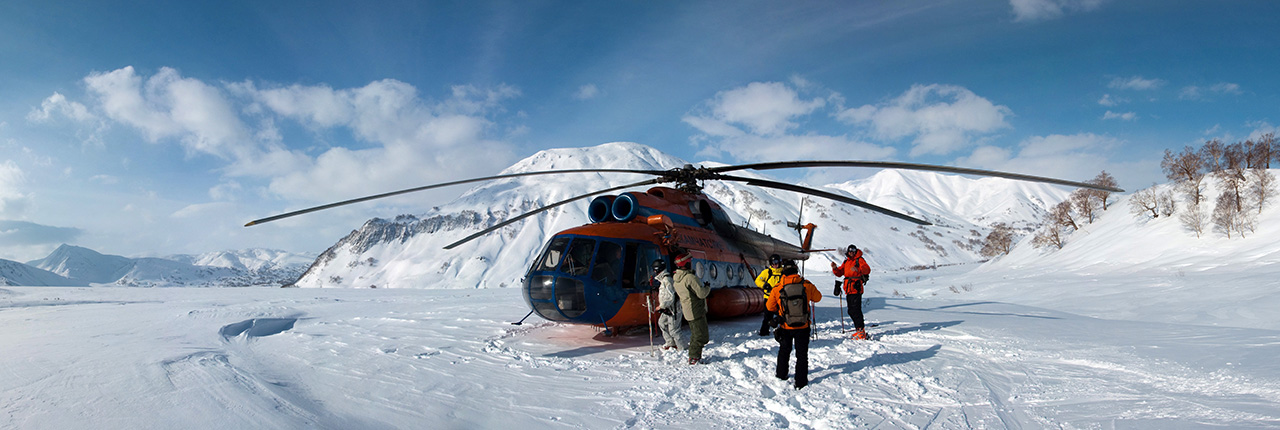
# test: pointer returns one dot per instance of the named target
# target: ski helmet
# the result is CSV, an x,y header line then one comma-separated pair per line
x,y
851,249
659,265
789,268
775,260
683,260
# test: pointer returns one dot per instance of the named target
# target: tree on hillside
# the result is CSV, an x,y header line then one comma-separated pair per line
x,y
1186,169
1266,149
1211,153
1085,203
1145,201
1231,180
1262,187
1049,234
1061,215
1168,205
1227,216
1104,179
1193,219
999,241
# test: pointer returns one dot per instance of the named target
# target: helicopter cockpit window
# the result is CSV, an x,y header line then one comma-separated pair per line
x,y
644,256
579,256
608,266
551,258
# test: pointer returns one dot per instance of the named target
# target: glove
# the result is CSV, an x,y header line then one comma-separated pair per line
x,y
864,278
837,291
666,312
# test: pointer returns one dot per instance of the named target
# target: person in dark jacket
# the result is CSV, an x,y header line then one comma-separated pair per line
x,y
793,334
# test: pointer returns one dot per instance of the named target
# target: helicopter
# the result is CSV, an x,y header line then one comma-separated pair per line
x,y
598,273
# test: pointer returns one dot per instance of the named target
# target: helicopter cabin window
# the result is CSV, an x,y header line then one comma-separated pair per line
x,y
742,271
608,266
579,255
642,273
728,272
715,272
551,258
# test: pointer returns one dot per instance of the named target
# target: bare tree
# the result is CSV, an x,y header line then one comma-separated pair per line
x,y
1234,156
1227,217
1104,179
1168,205
1193,219
1187,169
1211,153
1084,203
1265,150
1187,165
999,241
1231,180
1049,234
1145,201
1062,216
1262,187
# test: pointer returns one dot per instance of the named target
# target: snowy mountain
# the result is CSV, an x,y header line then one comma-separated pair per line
x,y
13,273
83,266
406,252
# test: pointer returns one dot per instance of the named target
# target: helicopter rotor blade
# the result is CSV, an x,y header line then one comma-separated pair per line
x,y
549,207
824,194
445,184
910,166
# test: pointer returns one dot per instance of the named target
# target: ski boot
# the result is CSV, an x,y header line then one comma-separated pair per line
x,y
861,334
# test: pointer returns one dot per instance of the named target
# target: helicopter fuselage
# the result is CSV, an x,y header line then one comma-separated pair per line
x,y
600,273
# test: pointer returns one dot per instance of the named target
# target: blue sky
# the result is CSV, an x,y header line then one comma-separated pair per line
x,y
151,128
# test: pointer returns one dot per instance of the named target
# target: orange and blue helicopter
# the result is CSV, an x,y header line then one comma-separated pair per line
x,y
598,273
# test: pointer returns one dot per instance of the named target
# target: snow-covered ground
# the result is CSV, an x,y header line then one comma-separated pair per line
x,y
360,358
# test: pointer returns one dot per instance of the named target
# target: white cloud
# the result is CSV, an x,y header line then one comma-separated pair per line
x,y
587,92
940,118
170,106
13,203
752,123
764,108
1076,157
416,142
1226,88
1043,10
1193,92
58,104
1137,83
1123,116
1108,101
404,139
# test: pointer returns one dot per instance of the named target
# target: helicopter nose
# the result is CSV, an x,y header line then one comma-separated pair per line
x,y
556,298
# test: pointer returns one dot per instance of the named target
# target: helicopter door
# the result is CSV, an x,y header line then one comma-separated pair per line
x,y
640,257
609,264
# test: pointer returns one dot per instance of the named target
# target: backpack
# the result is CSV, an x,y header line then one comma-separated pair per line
x,y
795,304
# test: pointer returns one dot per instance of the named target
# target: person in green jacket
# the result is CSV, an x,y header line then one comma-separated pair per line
x,y
693,298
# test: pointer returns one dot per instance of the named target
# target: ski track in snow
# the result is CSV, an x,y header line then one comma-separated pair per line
x,y
271,358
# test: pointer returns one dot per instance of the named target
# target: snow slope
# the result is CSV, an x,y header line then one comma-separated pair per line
x,y
374,359
13,273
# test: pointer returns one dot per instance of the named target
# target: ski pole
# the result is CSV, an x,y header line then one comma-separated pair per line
x,y
841,296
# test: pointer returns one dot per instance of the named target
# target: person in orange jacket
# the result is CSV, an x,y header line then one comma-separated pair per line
x,y
855,272
793,333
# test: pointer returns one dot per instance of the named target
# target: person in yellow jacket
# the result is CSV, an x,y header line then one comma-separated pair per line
x,y
797,331
766,280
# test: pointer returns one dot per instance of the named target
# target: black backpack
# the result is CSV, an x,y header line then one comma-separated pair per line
x,y
795,304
